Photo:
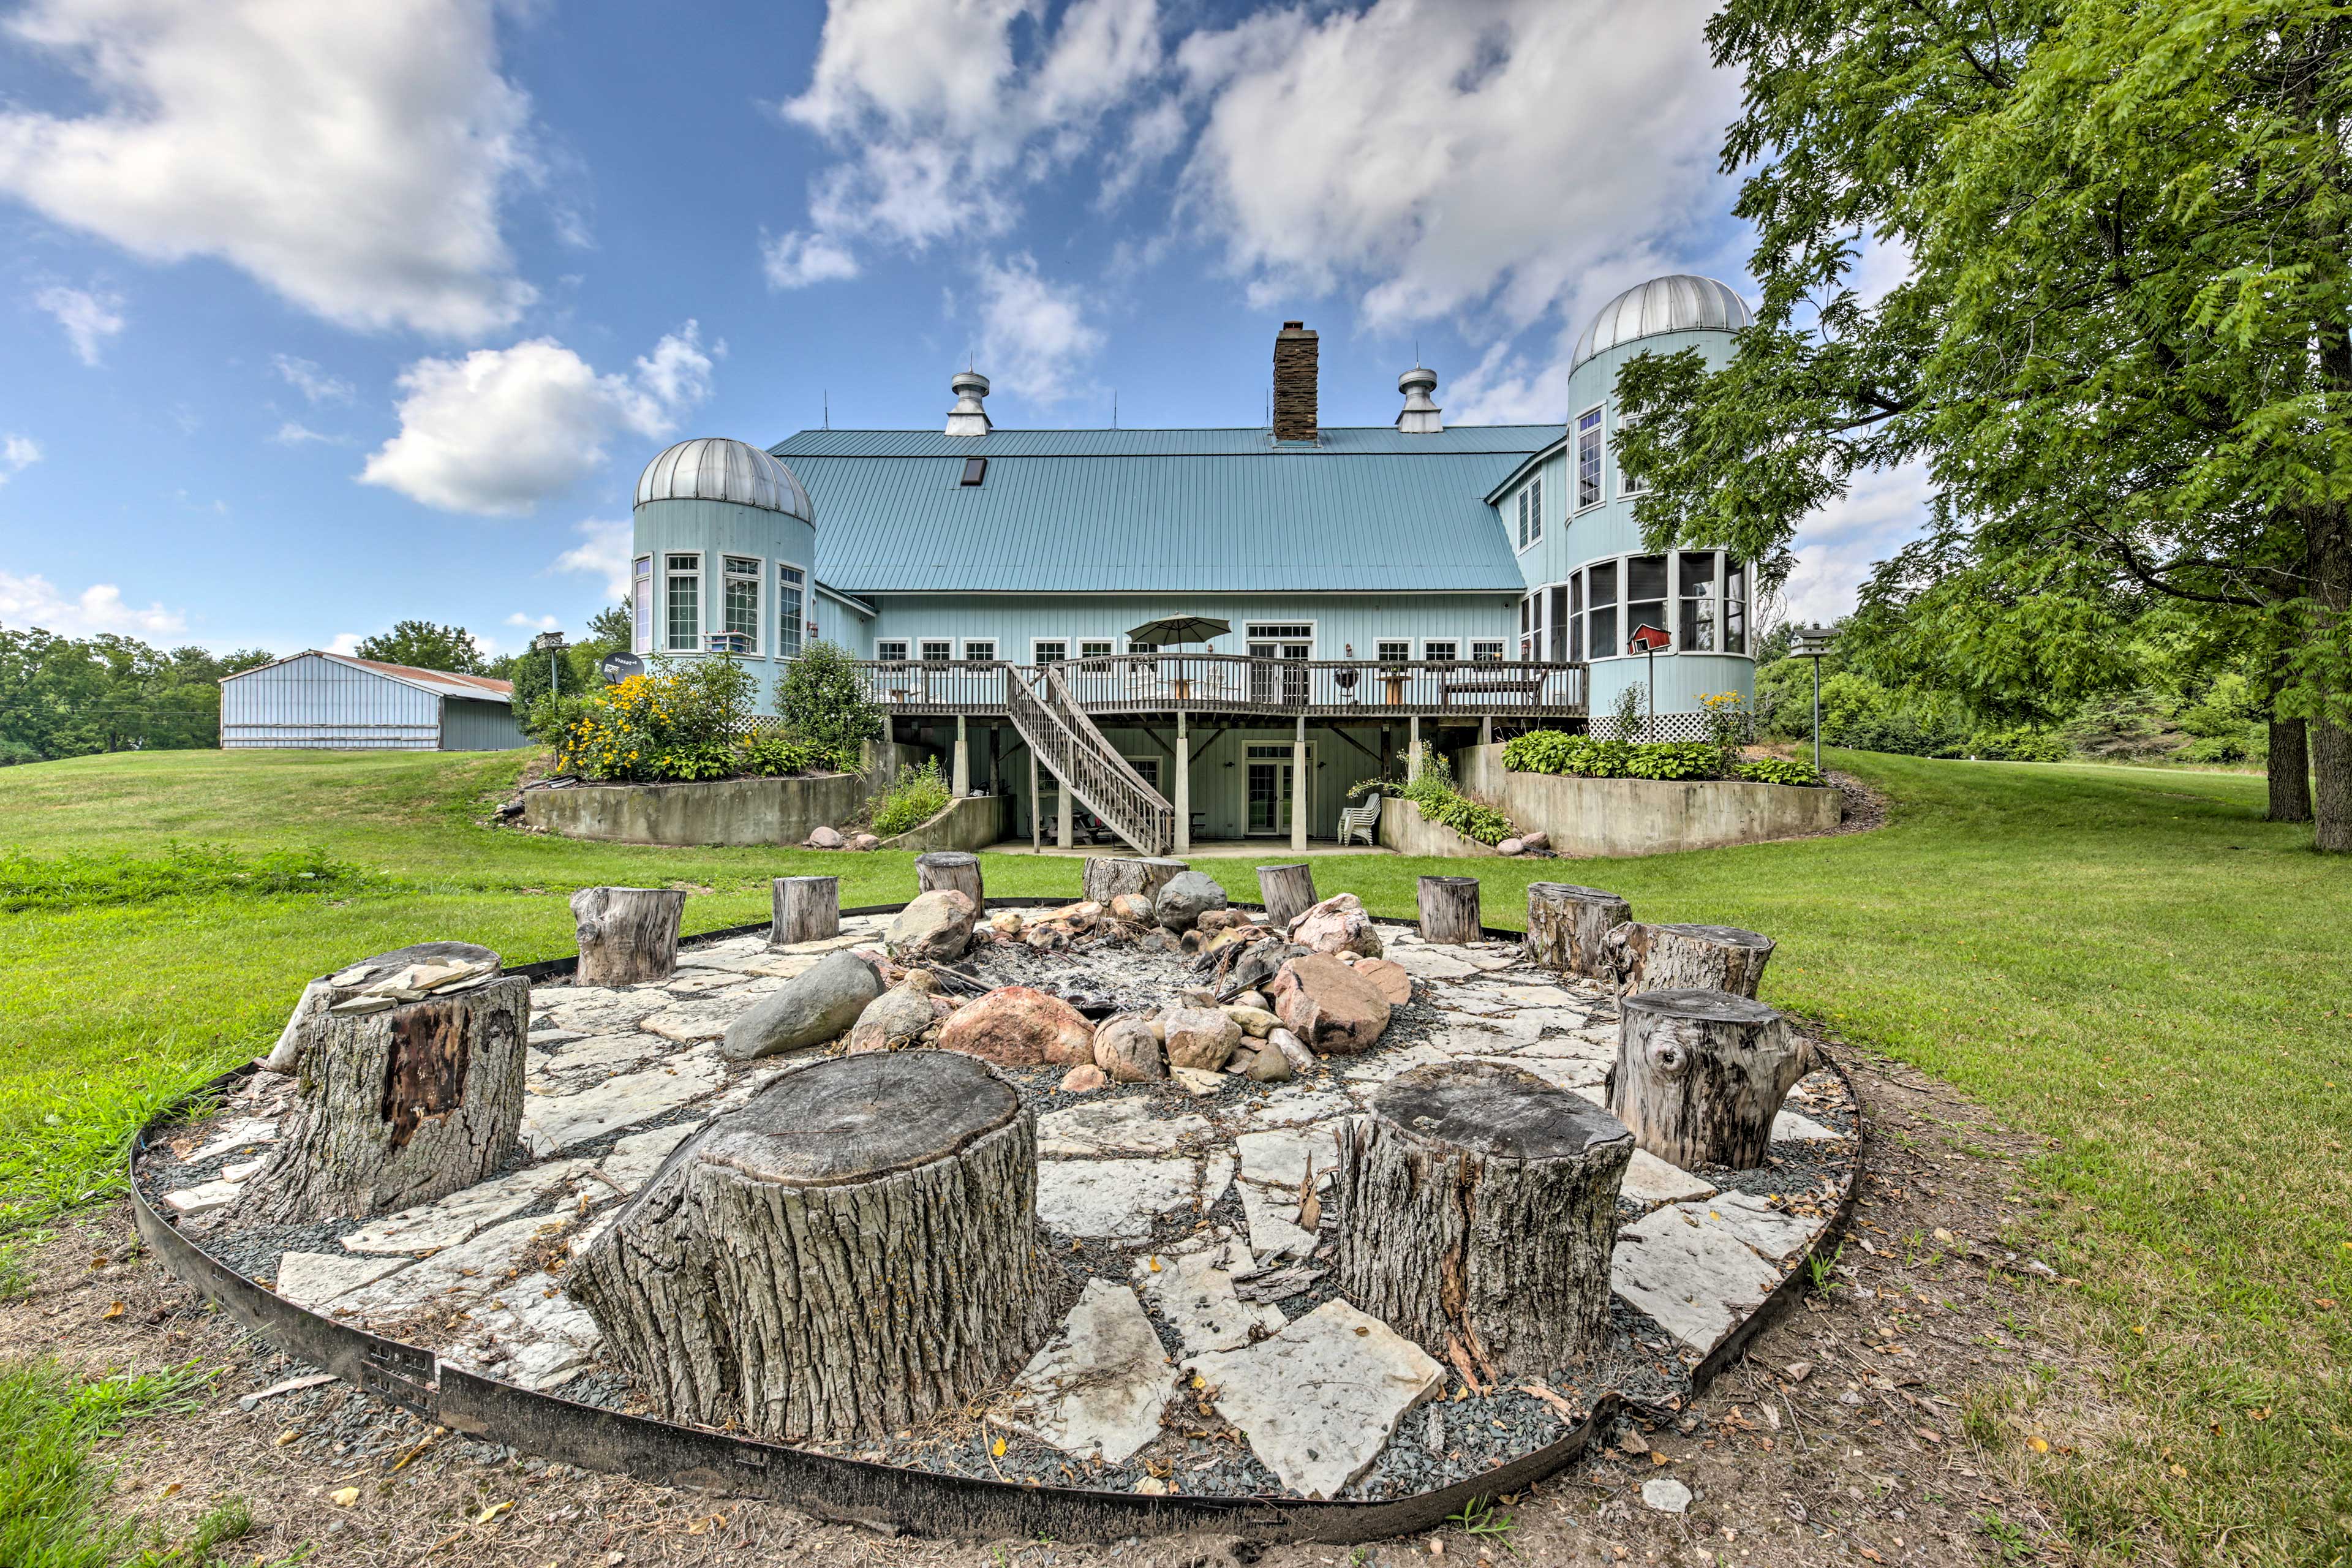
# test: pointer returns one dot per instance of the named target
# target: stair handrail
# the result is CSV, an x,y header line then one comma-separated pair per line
x,y
1084,762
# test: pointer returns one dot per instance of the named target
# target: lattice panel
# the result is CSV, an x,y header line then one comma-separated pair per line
x,y
1659,727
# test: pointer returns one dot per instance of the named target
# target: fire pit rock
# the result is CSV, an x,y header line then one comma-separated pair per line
x,y
1188,896
1330,1007
1017,1026
936,927
809,1011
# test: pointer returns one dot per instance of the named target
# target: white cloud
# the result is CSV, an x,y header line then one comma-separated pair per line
x,y
1440,159
294,433
1836,548
88,316
346,643
603,547
501,430
17,453
1033,334
534,623
34,601
352,157
941,119
311,381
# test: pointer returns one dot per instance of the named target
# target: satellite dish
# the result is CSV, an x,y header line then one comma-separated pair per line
x,y
619,666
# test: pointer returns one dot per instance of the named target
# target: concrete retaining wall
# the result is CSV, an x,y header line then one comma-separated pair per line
x,y
969,822
1403,828
1641,816
723,810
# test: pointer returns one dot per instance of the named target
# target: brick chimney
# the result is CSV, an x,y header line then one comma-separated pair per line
x,y
1294,383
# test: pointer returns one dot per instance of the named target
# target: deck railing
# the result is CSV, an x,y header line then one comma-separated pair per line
x,y
1235,683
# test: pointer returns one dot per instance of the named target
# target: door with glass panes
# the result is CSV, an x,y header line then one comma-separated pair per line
x,y
1270,683
1272,788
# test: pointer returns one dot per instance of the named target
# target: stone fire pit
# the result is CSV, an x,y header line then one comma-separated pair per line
x,y
1199,1344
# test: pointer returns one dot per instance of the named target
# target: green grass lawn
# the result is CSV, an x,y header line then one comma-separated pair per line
x,y
2128,962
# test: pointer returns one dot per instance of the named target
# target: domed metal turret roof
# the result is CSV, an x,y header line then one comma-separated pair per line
x,y
1681,303
712,467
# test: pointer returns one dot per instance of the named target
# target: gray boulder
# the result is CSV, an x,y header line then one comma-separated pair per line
x,y
1188,896
935,928
809,1011
825,839
892,1019
1128,1051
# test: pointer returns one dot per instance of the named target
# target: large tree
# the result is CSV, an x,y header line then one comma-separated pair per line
x,y
423,645
2119,343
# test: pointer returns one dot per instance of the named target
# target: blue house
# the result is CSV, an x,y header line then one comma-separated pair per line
x,y
1017,596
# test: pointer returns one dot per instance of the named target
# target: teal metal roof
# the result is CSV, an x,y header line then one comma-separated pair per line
x,y
1364,509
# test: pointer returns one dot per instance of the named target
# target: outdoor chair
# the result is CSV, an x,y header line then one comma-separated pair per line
x,y
1356,819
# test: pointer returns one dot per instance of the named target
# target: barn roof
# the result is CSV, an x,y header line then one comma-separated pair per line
x,y
440,682
1360,509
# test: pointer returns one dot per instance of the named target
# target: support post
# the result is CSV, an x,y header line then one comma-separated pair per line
x,y
1412,750
962,778
1036,804
1184,787
1302,788
1065,816
1486,729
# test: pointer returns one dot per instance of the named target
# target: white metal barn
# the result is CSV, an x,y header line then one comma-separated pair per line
x,y
330,701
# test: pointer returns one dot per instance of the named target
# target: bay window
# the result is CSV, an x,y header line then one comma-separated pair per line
x,y
1698,604
791,610
683,603
739,610
1587,459
641,605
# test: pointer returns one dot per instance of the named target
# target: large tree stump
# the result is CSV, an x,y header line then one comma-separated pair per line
x,y
807,908
1478,1204
1287,891
1687,958
853,1253
951,869
1566,924
627,935
400,1107
1700,1074
1449,909
1109,876
443,962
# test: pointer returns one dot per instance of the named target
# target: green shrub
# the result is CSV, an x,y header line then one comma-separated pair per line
x,y
1779,771
917,795
822,697
778,752
2022,744
1583,756
1432,791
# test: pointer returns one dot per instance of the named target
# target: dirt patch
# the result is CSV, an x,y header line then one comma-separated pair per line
x,y
1867,1455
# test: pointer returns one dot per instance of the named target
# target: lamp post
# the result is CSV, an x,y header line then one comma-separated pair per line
x,y
1814,642
551,644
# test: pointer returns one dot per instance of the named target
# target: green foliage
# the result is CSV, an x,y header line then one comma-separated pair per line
x,y
680,723
917,795
78,880
821,696
68,697
52,1493
1587,756
426,646
775,752
1727,730
1779,771
1625,714
1432,791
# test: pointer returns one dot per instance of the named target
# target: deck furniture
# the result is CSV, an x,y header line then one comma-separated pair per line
x,y
1359,819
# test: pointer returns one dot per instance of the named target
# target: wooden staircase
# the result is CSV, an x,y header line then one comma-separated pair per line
x,y
1065,740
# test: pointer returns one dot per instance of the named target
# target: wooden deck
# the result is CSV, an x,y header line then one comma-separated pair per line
x,y
1231,684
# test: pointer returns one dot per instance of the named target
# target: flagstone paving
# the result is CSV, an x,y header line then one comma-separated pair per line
x,y
1183,1207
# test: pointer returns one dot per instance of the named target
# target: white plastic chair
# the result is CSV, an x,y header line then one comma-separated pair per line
x,y
1359,819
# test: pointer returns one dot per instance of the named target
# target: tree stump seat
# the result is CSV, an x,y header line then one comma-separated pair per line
x,y
1646,957
628,936
955,869
1700,1074
1567,926
1478,1208
806,909
1449,909
1108,876
852,1252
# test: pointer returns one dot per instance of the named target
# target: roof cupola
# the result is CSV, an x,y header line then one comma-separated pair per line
x,y
1420,416
968,417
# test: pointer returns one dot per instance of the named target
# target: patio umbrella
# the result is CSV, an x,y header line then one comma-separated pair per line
x,y
1178,630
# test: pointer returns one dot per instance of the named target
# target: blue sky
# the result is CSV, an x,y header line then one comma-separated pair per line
x,y
316,317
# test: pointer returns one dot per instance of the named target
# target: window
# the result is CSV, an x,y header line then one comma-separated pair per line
x,y
980,650
890,650
1697,597
1280,631
1487,653
1735,608
1576,618
740,608
1439,651
641,605
1557,621
937,650
1587,459
1645,594
975,470
1396,653
685,604
1094,648
1049,650
1600,592
1532,513
791,610
1147,768
1626,484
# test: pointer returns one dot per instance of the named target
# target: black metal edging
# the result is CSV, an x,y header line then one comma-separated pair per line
x,y
857,1490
